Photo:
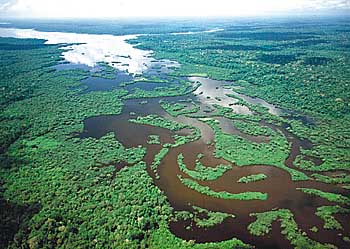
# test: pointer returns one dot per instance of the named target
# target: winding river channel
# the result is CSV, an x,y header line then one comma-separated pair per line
x,y
282,191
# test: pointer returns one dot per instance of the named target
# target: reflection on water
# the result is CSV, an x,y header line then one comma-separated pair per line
x,y
181,197
100,84
161,67
147,86
88,49
256,101
105,48
212,92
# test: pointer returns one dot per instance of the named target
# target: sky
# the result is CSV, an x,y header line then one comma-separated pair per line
x,y
164,8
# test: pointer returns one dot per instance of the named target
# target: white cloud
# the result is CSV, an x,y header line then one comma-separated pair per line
x,y
142,8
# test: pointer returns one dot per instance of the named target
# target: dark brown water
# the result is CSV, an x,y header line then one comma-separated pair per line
x,y
281,190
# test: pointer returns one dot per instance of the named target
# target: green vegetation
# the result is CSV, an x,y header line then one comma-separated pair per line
x,y
303,164
308,75
180,140
153,139
105,71
59,191
154,120
176,109
253,128
326,195
14,72
171,90
201,172
245,196
317,61
227,113
158,159
326,213
213,218
331,146
210,218
290,230
252,178
280,59
161,122
339,179
267,81
163,238
283,75
243,152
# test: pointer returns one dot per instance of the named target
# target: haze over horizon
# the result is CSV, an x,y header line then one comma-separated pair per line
x,y
159,8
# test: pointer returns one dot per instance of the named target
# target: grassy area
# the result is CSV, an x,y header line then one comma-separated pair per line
x,y
213,218
170,91
253,128
203,218
158,159
326,213
245,196
154,120
290,230
176,109
243,152
252,178
153,139
201,172
340,179
326,195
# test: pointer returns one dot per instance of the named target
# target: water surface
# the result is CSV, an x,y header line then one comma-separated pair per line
x,y
89,49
